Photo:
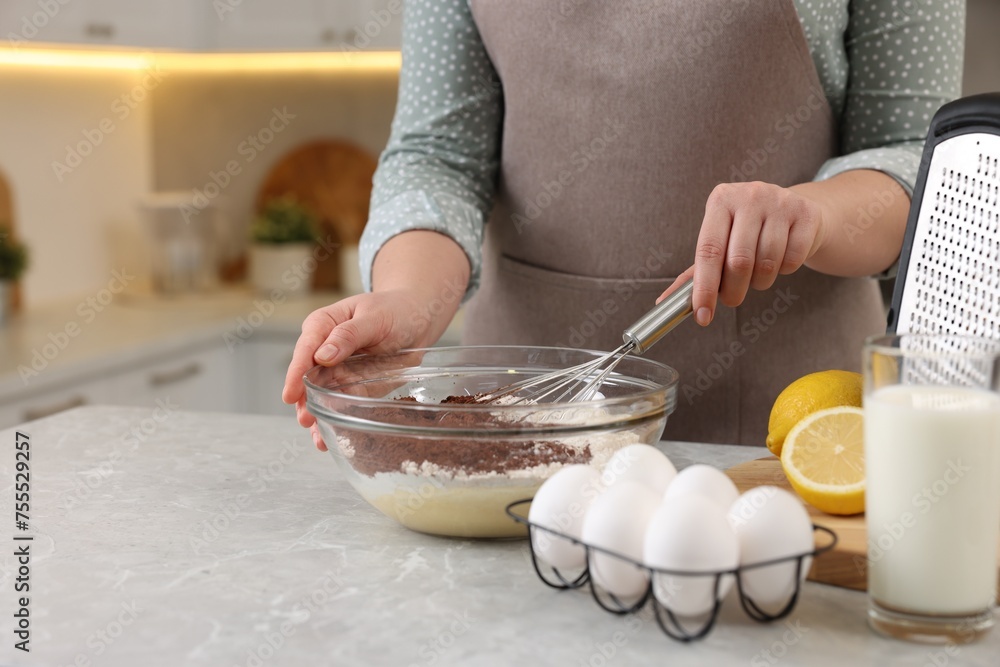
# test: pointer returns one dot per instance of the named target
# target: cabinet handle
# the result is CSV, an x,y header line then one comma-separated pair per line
x,y
31,414
171,377
328,36
100,30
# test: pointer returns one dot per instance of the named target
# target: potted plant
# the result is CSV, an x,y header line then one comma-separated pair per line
x,y
283,237
13,262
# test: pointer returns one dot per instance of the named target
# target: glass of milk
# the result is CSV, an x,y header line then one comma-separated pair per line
x,y
932,503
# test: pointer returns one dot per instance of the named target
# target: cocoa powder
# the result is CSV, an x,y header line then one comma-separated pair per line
x,y
382,452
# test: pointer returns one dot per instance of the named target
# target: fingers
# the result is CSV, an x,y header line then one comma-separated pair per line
x,y
678,281
802,238
317,438
359,332
741,256
770,254
315,330
710,255
752,232
302,414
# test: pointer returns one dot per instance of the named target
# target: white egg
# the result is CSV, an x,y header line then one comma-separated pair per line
x,y
771,523
640,463
705,481
560,504
693,535
617,521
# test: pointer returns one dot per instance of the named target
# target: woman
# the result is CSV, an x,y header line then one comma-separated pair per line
x,y
611,144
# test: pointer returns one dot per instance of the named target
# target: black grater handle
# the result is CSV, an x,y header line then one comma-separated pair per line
x,y
975,111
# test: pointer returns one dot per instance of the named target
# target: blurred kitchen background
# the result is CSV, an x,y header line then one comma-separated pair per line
x,y
140,139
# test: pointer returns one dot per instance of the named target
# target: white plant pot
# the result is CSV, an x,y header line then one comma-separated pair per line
x,y
6,292
286,267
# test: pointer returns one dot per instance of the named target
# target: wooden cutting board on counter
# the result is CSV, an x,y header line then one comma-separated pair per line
x,y
333,178
846,564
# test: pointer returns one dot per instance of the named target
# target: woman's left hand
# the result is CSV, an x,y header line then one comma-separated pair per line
x,y
751,233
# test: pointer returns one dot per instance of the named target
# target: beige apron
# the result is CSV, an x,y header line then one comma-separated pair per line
x,y
620,118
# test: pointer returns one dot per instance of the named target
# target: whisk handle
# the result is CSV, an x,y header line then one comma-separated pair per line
x,y
659,321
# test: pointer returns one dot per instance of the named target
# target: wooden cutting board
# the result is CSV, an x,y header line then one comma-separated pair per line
x,y
846,564
7,227
334,179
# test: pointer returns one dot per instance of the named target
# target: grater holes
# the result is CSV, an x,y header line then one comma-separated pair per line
x,y
953,284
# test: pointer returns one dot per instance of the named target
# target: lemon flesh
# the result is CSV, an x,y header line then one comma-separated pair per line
x,y
824,460
809,394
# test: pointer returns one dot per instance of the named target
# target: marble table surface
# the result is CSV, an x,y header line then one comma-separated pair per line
x,y
228,540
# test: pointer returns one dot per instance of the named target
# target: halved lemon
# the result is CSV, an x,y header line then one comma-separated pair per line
x,y
824,460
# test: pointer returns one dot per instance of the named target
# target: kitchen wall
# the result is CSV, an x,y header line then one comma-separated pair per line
x,y
186,126
982,48
202,121
77,156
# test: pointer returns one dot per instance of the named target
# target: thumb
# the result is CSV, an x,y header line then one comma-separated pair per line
x,y
347,338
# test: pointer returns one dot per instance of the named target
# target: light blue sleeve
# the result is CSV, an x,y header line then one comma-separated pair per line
x,y
439,169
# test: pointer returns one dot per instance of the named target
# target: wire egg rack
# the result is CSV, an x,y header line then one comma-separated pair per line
x,y
670,622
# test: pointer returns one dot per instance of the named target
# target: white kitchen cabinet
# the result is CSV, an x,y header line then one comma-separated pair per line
x,y
176,24
203,380
200,25
250,25
48,403
24,22
264,362
380,26
308,25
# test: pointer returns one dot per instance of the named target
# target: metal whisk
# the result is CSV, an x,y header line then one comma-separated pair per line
x,y
638,338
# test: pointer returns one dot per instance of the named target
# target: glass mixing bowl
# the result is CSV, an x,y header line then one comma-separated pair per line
x,y
451,468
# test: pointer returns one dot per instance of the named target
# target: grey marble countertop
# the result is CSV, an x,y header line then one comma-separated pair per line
x,y
208,539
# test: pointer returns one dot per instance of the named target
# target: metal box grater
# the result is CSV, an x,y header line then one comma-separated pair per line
x,y
949,268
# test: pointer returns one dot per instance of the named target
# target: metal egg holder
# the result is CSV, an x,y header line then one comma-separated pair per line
x,y
665,618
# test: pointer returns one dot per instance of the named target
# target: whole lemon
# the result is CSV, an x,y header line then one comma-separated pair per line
x,y
809,394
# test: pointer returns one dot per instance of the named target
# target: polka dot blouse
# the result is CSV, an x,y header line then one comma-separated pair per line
x,y
885,66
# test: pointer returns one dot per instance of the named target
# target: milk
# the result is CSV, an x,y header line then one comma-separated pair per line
x,y
932,458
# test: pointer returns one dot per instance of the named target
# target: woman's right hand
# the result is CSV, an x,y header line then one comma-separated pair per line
x,y
375,323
